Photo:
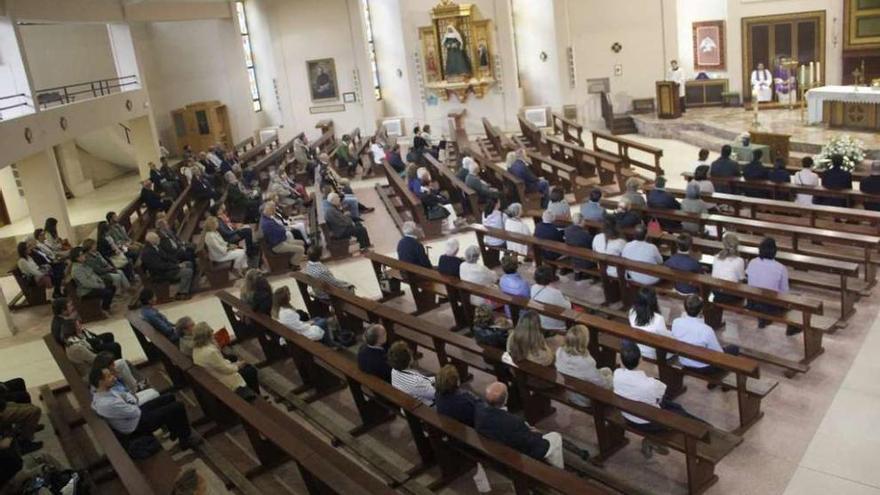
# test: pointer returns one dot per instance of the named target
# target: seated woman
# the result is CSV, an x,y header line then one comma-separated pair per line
x,y
219,251
545,291
493,218
207,355
609,242
701,178
231,231
100,265
558,205
450,263
436,205
488,330
645,315
693,204
574,359
298,321
413,183
476,273
40,276
79,348
728,265
514,223
451,400
764,272
122,256
88,284
53,240
405,378
527,343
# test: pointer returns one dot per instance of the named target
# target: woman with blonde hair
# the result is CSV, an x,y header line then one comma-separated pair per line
x,y
527,343
219,251
728,265
207,355
574,359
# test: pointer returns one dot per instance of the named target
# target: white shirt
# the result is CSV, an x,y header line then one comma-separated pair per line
x,y
693,330
611,248
477,273
216,246
657,325
518,226
580,367
732,269
676,75
290,319
636,385
548,294
805,177
378,152
414,384
495,220
646,253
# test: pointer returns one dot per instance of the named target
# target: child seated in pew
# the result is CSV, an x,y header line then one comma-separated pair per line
x,y
691,329
685,261
406,379
633,384
645,315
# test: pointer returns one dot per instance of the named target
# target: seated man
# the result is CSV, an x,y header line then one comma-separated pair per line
x,y
163,268
625,217
316,269
231,232
724,167
276,236
691,329
633,384
201,188
152,199
473,180
24,420
516,165
494,422
373,355
592,210
871,185
755,171
410,248
171,245
341,226
685,261
639,249
154,317
126,417
577,235
659,198
547,230
835,178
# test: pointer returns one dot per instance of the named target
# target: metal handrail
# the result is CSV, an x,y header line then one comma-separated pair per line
x,y
65,95
23,96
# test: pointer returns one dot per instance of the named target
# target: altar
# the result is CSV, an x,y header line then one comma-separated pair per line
x,y
844,106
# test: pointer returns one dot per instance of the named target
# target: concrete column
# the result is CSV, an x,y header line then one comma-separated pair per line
x,y
44,192
71,168
7,327
14,78
145,143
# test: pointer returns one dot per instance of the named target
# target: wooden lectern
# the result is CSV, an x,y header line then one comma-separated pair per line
x,y
668,104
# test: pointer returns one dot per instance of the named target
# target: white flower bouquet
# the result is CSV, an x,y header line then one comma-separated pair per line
x,y
852,150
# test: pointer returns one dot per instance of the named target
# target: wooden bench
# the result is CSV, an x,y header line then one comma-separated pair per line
x,y
403,205
709,445
136,219
258,151
532,137
33,294
801,312
512,188
569,130
372,395
500,143
561,174
459,192
244,145
154,475
608,168
624,151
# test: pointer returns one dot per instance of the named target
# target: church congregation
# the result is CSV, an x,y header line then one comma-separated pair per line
x,y
377,247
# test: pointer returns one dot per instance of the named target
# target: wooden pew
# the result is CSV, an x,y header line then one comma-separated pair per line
x,y
368,391
274,436
403,205
793,213
244,145
589,163
136,219
533,138
862,246
154,475
609,425
258,151
570,130
458,191
512,188
501,144
624,151
566,176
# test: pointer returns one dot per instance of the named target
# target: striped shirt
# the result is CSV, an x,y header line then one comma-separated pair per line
x,y
414,384
318,270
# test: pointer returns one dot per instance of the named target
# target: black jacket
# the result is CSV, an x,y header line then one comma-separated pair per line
x,y
449,265
549,232
577,236
374,361
871,185
152,199
511,430
459,405
410,250
835,178
724,167
159,265
659,198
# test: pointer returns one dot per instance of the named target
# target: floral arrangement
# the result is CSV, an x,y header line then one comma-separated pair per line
x,y
852,150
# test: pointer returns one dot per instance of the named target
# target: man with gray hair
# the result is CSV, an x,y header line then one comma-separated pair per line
x,y
342,226
410,248
373,355
577,235
473,180
547,230
496,423
871,185
161,267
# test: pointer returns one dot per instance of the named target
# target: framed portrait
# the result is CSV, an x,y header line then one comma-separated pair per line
x,y
709,46
323,84
482,47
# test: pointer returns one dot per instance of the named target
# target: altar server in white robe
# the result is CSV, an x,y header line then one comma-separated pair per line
x,y
676,74
761,81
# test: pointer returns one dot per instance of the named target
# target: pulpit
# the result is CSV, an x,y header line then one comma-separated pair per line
x,y
668,104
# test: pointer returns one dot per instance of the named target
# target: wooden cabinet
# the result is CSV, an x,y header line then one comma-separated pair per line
x,y
202,125
705,92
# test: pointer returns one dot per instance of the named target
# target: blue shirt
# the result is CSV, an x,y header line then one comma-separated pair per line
x,y
693,330
592,211
158,321
767,274
684,263
515,285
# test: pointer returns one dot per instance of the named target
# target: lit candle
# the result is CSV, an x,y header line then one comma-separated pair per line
x,y
818,73
802,75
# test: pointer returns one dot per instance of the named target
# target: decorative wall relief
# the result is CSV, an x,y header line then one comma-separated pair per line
x,y
457,52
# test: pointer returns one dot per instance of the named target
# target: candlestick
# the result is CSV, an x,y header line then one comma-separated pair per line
x,y
818,73
802,75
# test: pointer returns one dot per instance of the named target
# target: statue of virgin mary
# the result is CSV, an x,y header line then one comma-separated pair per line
x,y
457,62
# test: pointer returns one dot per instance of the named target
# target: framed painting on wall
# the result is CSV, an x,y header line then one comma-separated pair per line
x,y
430,53
323,84
709,46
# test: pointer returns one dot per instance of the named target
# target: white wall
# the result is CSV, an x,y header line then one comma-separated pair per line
x,y
13,77
536,32
16,206
689,12
60,54
392,56
191,61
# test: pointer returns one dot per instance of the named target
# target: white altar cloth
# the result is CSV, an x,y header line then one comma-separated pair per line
x,y
817,96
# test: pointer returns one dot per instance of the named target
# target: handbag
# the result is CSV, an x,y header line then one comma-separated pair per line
x,y
222,338
654,227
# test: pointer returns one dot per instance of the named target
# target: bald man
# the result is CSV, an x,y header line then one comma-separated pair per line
x,y
495,422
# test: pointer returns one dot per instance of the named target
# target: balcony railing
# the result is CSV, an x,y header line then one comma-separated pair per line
x,y
64,95
15,105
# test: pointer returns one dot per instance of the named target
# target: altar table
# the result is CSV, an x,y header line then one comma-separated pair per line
x,y
844,106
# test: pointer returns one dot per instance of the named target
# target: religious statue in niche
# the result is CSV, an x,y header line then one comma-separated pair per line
x,y
457,52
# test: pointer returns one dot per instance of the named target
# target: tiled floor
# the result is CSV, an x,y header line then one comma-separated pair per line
x,y
818,434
